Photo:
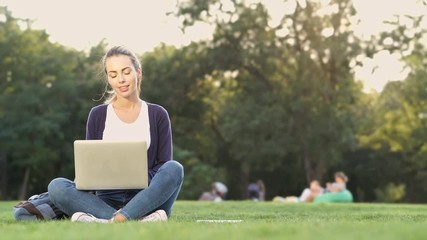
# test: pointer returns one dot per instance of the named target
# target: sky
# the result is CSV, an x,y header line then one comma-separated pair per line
x,y
142,25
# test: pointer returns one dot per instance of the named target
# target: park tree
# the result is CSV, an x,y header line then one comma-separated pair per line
x,y
41,107
171,79
283,93
397,132
400,119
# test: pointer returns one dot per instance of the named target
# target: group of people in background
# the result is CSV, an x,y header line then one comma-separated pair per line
x,y
218,192
332,192
315,190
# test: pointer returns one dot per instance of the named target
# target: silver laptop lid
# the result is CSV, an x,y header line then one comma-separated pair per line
x,y
105,164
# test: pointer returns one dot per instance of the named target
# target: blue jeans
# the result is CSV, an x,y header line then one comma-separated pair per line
x,y
135,204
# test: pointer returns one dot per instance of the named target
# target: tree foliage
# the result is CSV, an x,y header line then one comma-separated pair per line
x,y
396,131
264,98
41,107
281,93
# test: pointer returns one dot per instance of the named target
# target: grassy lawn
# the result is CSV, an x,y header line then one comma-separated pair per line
x,y
260,221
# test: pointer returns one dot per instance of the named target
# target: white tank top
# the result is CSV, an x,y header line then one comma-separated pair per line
x,y
116,129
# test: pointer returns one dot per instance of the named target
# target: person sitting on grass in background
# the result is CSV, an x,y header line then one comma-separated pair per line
x,y
336,192
340,183
307,194
217,193
310,193
262,192
256,191
125,116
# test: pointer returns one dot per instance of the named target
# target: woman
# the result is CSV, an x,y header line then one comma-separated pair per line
x,y
307,195
340,183
217,193
126,116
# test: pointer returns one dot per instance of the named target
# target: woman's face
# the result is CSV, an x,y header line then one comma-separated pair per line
x,y
339,180
314,186
122,76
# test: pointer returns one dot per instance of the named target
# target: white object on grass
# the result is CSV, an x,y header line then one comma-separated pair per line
x,y
219,221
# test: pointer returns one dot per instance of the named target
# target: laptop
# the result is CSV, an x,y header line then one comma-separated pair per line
x,y
109,165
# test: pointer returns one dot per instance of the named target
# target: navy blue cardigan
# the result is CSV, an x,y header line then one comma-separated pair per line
x,y
160,150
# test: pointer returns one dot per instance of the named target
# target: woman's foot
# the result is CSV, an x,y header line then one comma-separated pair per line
x,y
87,217
157,216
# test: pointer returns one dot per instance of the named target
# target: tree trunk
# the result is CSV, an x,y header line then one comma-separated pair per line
x,y
24,187
244,179
313,168
4,176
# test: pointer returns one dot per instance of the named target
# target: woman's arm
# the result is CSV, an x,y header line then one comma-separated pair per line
x,y
96,122
164,141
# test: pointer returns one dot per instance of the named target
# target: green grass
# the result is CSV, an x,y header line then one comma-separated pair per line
x,y
265,220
